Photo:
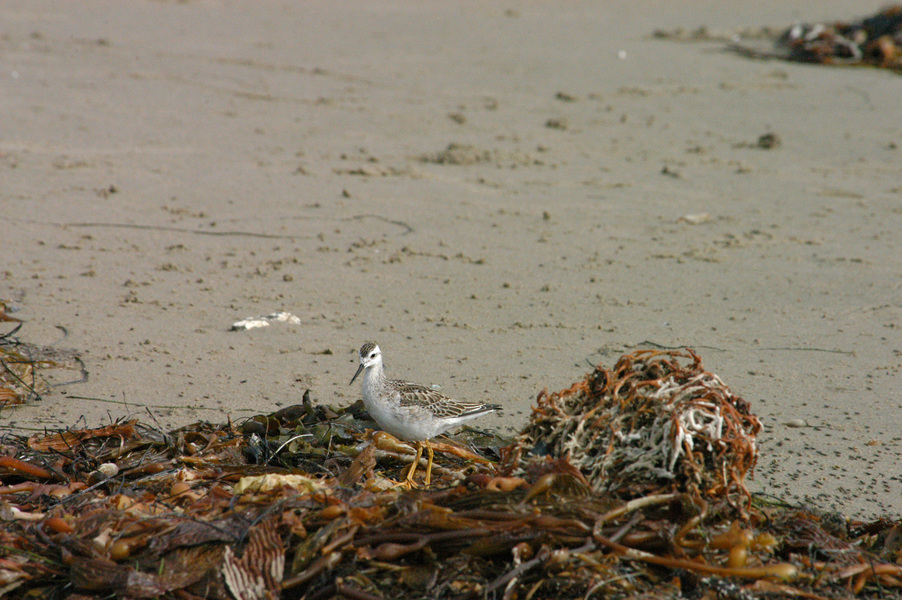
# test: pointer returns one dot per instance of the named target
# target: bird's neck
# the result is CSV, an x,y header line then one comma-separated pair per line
x,y
374,376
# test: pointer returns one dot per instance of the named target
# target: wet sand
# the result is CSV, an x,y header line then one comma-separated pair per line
x,y
499,194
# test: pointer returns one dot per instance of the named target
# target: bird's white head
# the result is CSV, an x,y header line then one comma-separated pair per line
x,y
370,356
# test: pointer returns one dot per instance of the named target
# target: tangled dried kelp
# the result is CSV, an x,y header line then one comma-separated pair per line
x,y
298,504
18,379
652,424
20,363
874,41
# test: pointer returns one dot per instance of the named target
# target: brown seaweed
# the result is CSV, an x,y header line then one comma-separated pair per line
x,y
301,504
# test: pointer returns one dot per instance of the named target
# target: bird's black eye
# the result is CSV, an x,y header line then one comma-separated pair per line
x,y
373,355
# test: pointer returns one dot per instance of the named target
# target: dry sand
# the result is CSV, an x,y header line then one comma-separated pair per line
x,y
167,168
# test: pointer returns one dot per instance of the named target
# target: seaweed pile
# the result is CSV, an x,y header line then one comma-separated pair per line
x,y
19,382
874,41
649,424
301,504
22,365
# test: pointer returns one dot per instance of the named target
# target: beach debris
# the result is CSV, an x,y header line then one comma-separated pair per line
x,y
265,321
7,307
696,218
19,379
765,141
769,141
703,33
24,367
657,422
466,155
293,504
874,41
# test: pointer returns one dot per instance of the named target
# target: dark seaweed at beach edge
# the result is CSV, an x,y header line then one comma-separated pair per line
x,y
302,503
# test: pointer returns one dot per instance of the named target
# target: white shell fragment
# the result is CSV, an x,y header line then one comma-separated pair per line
x,y
108,469
696,218
254,322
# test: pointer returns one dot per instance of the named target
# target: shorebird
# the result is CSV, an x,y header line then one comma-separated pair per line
x,y
408,411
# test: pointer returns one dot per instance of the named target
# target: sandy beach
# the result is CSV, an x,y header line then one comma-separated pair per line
x,y
500,194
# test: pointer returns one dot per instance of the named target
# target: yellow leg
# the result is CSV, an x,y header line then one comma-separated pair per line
x,y
429,463
413,467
